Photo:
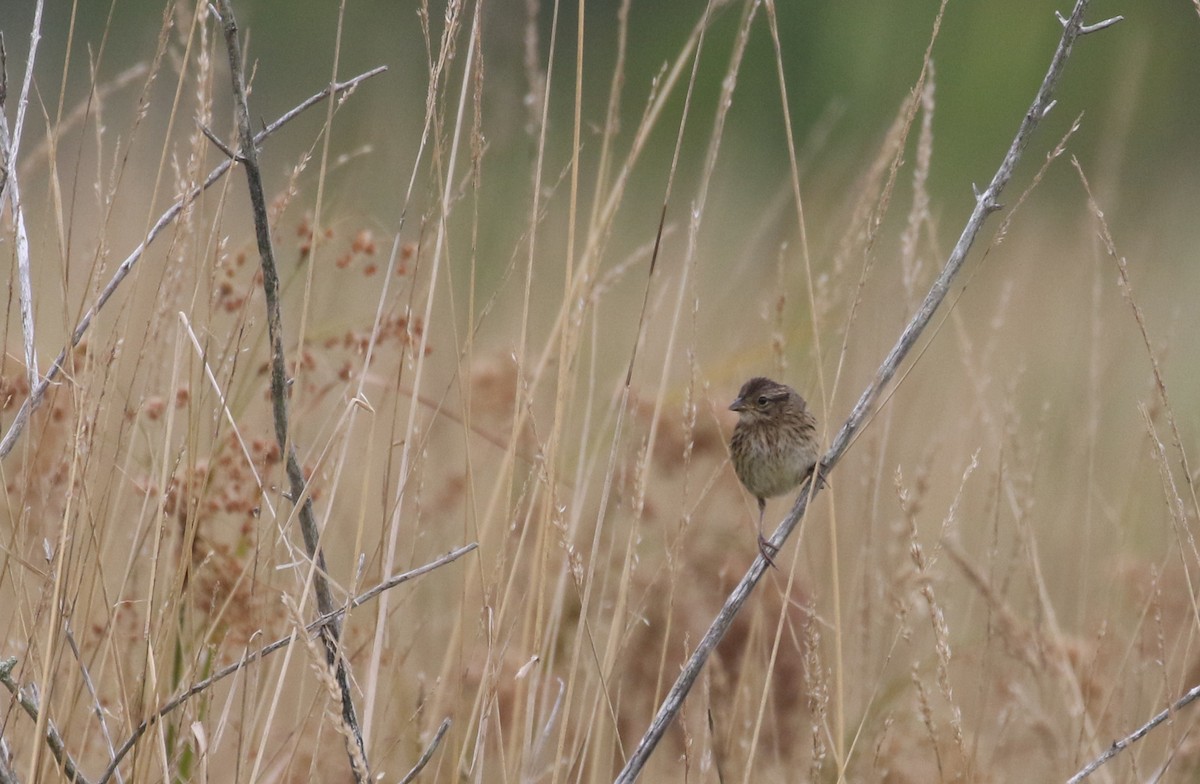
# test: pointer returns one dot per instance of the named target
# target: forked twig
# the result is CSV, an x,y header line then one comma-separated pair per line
x,y
986,202
38,392
331,632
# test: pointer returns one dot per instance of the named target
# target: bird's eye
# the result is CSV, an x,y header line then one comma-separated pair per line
x,y
762,400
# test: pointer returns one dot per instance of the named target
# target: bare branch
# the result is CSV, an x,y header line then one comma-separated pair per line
x,y
985,203
97,708
3,118
27,699
428,754
220,145
1100,25
9,147
1092,28
38,392
332,631
1120,745
7,776
270,648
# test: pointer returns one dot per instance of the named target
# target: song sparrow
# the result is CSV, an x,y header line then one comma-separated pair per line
x,y
774,445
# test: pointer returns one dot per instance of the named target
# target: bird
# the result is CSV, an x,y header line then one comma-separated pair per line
x,y
774,445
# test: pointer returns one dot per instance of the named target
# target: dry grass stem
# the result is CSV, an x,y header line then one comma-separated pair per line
x,y
10,145
505,298
38,391
27,699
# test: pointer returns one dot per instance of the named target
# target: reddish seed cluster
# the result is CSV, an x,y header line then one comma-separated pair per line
x,y
363,245
224,485
494,389
228,299
13,390
217,588
264,451
396,328
212,493
226,296
407,251
305,232
307,362
155,406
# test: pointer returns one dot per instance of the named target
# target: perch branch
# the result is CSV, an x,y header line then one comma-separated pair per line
x,y
1120,745
986,203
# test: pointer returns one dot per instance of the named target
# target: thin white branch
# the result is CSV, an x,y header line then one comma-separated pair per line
x,y
10,149
38,391
1092,28
428,754
202,355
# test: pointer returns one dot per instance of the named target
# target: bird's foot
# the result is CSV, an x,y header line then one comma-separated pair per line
x,y
767,551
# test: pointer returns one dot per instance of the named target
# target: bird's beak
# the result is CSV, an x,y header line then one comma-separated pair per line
x,y
737,405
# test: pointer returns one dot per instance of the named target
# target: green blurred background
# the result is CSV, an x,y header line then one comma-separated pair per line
x,y
852,62
848,66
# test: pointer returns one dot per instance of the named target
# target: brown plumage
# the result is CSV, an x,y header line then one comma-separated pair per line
x,y
774,445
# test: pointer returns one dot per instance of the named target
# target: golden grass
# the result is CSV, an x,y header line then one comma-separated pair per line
x,y
998,583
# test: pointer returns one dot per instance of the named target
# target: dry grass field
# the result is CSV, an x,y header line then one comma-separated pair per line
x,y
999,581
